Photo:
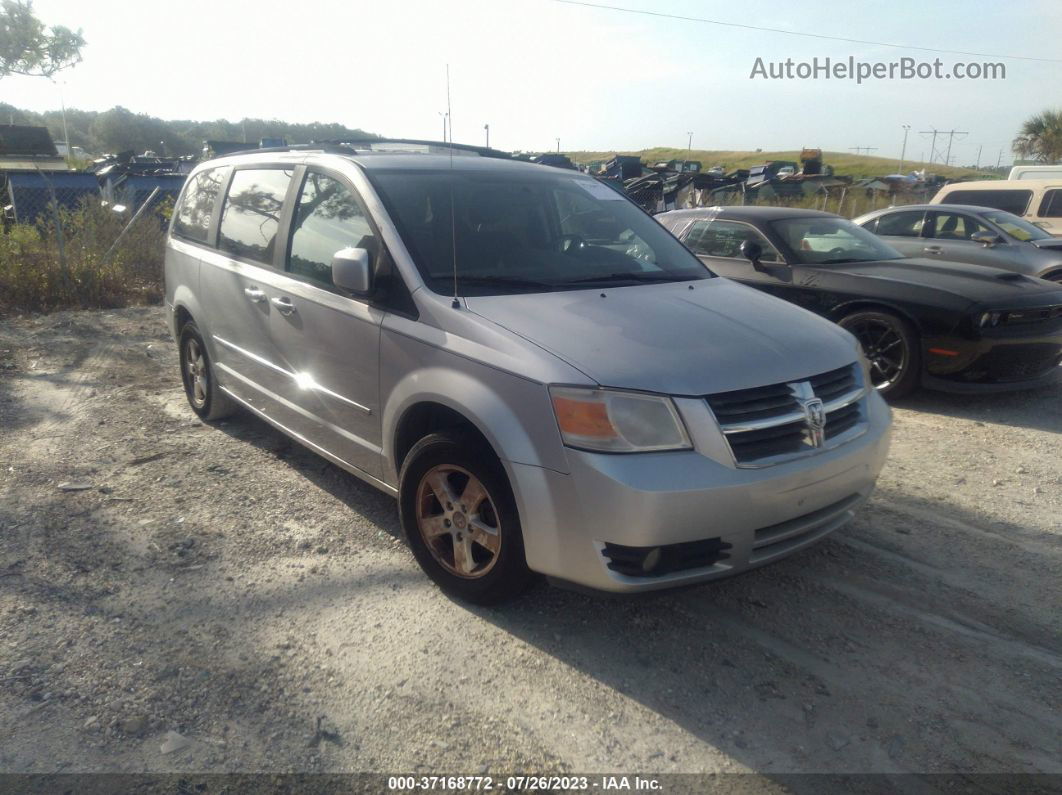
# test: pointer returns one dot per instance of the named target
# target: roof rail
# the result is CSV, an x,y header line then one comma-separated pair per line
x,y
483,151
349,146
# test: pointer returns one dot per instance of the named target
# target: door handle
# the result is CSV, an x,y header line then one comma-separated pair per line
x,y
283,305
932,249
254,294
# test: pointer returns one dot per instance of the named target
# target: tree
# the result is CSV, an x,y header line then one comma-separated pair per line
x,y
27,47
1041,137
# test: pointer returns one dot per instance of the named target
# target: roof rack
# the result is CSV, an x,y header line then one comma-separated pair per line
x,y
349,146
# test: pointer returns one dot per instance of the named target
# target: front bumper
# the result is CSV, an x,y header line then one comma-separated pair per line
x,y
1012,360
649,500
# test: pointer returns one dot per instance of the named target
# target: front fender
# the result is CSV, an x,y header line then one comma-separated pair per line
x,y
513,414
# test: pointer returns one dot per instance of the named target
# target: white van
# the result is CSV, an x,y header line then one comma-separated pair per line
x,y
1035,171
1038,201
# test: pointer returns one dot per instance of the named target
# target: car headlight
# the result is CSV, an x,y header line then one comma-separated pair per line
x,y
615,421
989,319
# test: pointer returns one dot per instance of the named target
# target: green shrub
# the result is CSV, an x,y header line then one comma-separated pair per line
x,y
34,277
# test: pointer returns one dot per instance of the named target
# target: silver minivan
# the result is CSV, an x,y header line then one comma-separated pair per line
x,y
546,379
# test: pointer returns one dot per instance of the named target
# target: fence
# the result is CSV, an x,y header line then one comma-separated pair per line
x,y
63,246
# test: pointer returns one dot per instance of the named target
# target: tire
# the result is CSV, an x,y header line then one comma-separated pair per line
x,y
197,374
893,347
475,554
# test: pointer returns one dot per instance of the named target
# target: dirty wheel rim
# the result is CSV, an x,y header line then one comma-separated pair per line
x,y
195,372
458,521
885,348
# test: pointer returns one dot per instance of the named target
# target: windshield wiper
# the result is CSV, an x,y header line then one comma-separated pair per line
x,y
508,281
629,277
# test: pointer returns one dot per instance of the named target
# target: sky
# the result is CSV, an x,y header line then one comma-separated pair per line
x,y
538,70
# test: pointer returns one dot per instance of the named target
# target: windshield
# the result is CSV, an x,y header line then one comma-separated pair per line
x,y
1017,228
527,232
820,240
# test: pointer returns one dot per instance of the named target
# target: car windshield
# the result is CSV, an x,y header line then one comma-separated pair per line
x,y
527,232
1017,228
820,240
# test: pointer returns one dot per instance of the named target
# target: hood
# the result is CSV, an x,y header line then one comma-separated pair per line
x,y
671,339
976,283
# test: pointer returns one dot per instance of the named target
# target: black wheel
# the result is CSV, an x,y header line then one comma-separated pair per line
x,y
459,516
892,346
197,373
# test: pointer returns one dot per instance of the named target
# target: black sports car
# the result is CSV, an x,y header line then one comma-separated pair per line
x,y
949,326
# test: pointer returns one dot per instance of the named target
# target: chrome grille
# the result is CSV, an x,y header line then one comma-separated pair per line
x,y
771,424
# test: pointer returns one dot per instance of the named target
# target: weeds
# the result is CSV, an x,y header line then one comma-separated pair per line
x,y
35,277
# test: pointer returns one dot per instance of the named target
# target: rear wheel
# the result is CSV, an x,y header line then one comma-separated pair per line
x,y
459,516
891,344
197,373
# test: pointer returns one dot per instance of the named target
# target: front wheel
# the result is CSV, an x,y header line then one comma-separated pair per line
x,y
891,344
459,517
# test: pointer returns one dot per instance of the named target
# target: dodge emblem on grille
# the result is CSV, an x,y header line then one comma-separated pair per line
x,y
816,418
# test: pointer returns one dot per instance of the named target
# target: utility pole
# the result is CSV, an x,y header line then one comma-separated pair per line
x,y
558,145
486,127
979,148
1000,158
449,110
444,117
933,146
689,146
903,152
867,149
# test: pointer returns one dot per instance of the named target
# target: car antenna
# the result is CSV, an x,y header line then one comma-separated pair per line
x,y
453,218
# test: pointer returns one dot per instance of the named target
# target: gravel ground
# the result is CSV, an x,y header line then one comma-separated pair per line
x,y
221,583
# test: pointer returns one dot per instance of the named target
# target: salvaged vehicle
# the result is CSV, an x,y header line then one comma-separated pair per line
x,y
1038,201
544,377
967,233
946,325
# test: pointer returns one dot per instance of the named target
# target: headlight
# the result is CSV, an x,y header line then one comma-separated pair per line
x,y
989,319
613,421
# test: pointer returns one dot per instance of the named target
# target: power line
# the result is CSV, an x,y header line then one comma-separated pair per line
x,y
867,149
801,33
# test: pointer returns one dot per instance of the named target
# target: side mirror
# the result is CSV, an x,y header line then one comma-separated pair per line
x,y
351,270
752,251
986,239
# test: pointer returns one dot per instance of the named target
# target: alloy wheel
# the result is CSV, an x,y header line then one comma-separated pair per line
x,y
884,347
458,521
196,369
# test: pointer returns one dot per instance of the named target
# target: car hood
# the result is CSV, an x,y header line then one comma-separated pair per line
x,y
978,284
669,338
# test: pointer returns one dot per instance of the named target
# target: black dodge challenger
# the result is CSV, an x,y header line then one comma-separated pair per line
x,y
944,325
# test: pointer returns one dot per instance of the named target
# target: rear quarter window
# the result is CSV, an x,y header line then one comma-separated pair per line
x,y
1051,205
1012,201
191,219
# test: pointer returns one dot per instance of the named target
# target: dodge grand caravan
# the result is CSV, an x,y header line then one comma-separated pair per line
x,y
546,379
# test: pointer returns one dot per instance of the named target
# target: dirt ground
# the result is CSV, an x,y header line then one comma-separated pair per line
x,y
158,575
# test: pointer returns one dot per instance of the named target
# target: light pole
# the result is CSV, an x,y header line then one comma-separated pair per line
x,y
903,152
444,116
558,144
486,128
689,147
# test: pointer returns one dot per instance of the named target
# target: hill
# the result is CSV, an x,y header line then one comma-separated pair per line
x,y
844,163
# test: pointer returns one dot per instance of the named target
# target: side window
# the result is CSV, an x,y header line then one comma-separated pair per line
x,y
251,217
953,226
192,218
327,218
724,238
903,224
1051,204
1012,201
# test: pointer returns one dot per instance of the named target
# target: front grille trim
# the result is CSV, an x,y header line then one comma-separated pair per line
x,y
726,408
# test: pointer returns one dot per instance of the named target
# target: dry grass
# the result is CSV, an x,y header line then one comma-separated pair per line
x,y
844,163
34,277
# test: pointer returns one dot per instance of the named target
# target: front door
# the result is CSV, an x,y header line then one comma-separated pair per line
x,y
328,340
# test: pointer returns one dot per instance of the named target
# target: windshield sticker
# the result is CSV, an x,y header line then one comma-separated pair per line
x,y
598,190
